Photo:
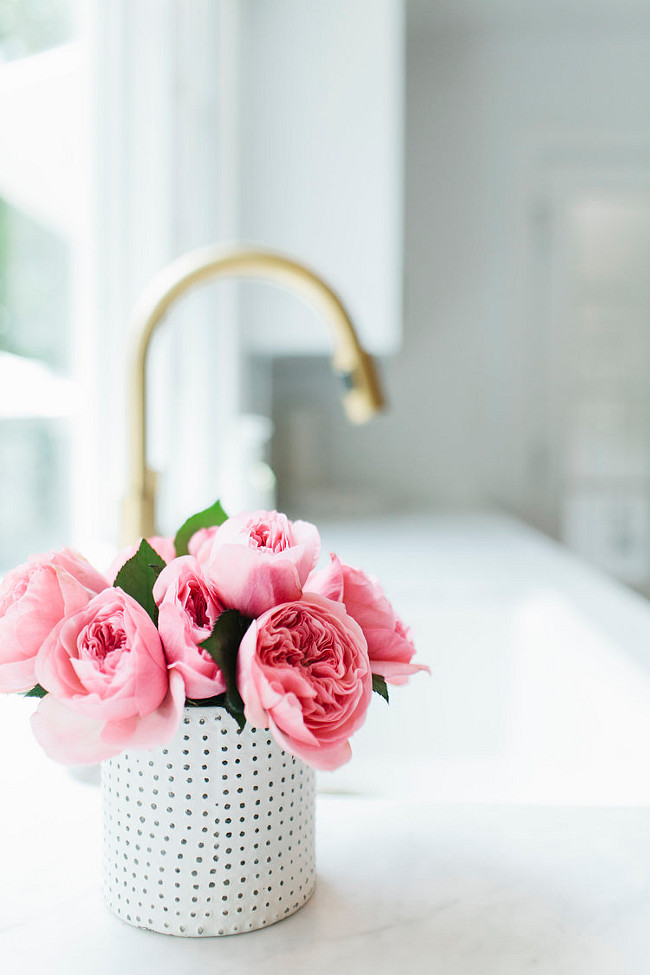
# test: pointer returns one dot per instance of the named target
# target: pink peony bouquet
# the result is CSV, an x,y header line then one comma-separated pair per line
x,y
232,612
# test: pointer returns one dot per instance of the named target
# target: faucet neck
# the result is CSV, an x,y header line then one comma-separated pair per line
x,y
362,396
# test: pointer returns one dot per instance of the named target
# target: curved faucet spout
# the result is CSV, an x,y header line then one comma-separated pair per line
x,y
362,396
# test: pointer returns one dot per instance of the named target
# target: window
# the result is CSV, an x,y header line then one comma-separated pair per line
x,y
606,504
126,139
38,398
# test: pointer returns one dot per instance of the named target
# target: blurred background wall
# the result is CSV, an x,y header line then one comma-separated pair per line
x,y
474,178
527,247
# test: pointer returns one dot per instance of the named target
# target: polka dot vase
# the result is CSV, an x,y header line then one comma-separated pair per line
x,y
212,835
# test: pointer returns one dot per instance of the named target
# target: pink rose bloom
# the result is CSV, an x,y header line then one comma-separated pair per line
x,y
200,544
108,683
390,645
33,598
164,547
261,559
188,609
303,671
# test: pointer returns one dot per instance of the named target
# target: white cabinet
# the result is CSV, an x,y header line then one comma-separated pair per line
x,y
320,122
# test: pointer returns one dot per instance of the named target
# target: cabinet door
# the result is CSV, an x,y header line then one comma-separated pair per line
x,y
320,161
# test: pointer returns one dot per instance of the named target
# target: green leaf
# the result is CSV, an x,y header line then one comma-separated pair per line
x,y
137,577
379,686
37,691
219,701
223,646
211,517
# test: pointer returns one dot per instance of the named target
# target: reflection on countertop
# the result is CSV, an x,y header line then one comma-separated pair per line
x,y
540,686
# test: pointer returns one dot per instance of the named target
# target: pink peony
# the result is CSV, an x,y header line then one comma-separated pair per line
x,y
390,645
303,671
108,683
261,559
164,547
188,609
33,598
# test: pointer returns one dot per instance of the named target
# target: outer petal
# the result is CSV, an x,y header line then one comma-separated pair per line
x,y
69,737
75,739
156,728
80,569
200,544
54,668
49,593
74,591
253,581
391,653
288,715
307,547
390,645
179,630
247,683
328,581
395,672
199,686
325,758
201,675
17,675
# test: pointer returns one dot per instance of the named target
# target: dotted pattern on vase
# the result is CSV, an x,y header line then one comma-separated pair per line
x,y
212,835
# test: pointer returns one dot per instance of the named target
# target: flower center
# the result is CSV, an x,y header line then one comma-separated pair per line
x,y
305,643
99,639
197,606
270,537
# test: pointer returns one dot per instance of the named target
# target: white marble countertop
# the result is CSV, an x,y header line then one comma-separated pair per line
x,y
406,886
540,687
494,820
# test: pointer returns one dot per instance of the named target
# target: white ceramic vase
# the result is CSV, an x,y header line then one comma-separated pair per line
x,y
211,835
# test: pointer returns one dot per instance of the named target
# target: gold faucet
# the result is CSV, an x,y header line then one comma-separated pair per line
x,y
362,396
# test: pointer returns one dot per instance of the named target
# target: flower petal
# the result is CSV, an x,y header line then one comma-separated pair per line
x,y
69,737
157,728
